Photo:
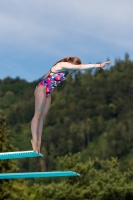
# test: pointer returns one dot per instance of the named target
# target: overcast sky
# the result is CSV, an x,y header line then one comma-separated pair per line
x,y
34,34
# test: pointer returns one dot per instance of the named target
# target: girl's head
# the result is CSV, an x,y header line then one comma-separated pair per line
x,y
73,60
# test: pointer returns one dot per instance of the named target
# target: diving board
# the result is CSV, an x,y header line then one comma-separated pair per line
x,y
38,174
19,154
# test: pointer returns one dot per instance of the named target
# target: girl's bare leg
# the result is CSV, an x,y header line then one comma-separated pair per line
x,y
40,100
42,118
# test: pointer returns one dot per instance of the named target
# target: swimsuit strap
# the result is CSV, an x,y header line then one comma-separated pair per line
x,y
58,72
51,71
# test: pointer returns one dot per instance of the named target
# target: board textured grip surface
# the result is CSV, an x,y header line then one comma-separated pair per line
x,y
19,154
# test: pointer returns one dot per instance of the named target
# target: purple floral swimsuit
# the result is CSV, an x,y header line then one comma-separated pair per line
x,y
51,81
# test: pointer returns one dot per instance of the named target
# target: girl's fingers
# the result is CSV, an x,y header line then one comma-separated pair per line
x,y
102,65
107,62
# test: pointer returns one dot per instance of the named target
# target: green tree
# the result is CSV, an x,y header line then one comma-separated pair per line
x,y
9,189
89,112
99,180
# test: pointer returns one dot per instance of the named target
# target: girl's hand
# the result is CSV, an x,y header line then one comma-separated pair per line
x,y
102,65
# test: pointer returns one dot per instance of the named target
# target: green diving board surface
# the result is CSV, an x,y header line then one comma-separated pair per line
x,y
38,174
19,154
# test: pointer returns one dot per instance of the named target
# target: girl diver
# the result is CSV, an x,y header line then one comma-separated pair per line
x,y
53,77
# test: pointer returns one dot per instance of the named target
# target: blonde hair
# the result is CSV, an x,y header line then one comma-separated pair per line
x,y
73,60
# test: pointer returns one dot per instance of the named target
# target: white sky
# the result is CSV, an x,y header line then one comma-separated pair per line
x,y
34,34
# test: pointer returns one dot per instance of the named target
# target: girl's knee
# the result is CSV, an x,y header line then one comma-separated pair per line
x,y
38,115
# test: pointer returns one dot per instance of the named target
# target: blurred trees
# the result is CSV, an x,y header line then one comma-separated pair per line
x,y
9,189
99,180
91,113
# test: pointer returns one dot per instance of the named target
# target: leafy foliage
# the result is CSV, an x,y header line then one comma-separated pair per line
x,y
91,113
9,189
99,180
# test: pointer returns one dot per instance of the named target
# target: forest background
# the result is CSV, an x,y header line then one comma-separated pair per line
x,y
91,113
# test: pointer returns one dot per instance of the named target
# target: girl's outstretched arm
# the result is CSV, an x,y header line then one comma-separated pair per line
x,y
69,66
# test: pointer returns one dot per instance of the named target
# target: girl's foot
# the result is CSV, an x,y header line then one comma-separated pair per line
x,y
35,145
